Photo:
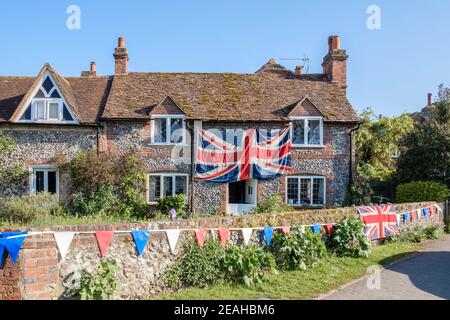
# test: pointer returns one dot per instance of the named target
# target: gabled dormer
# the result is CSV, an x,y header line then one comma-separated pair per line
x,y
49,100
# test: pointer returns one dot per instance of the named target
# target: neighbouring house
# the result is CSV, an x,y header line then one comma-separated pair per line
x,y
159,117
426,113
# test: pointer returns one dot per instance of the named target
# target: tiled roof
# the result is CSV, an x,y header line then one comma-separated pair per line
x,y
268,95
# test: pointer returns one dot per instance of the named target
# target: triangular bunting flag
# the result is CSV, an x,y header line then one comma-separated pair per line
x,y
140,239
316,228
223,236
14,244
201,236
398,218
246,234
405,217
172,238
285,229
413,216
268,232
63,241
419,213
329,228
425,212
438,208
103,239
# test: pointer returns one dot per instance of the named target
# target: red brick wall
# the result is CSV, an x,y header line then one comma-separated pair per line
x,y
10,275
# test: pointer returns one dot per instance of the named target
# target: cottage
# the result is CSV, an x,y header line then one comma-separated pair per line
x,y
165,119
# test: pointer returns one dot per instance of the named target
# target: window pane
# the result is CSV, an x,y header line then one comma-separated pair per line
x,y
314,132
298,136
27,114
154,188
55,94
52,182
305,191
53,110
292,191
66,114
168,183
160,130
40,110
39,181
176,130
48,85
318,191
180,185
40,94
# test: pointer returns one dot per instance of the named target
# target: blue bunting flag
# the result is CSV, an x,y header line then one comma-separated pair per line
x,y
268,232
140,239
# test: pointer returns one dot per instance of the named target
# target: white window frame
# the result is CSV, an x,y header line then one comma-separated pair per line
x,y
47,101
306,126
46,169
162,176
168,131
312,196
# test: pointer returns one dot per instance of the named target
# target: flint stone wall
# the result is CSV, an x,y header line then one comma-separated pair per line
x,y
40,273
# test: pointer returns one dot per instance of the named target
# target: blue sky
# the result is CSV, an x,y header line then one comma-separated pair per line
x,y
390,70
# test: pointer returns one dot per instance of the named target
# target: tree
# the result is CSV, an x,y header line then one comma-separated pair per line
x,y
11,170
428,147
377,141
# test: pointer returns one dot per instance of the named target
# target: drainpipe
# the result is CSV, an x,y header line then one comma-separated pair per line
x,y
350,173
98,140
191,173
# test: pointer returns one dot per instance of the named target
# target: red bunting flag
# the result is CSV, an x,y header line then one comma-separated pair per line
x,y
103,239
223,236
329,228
201,236
286,230
430,210
413,218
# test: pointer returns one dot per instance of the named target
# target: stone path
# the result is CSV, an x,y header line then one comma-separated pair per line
x,y
425,276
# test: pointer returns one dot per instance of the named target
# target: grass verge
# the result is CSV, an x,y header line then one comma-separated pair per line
x,y
329,274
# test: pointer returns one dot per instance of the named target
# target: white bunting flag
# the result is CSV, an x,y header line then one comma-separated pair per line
x,y
63,241
419,214
437,207
246,234
172,237
398,219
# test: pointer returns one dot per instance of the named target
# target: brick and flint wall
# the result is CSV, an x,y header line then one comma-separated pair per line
x,y
40,273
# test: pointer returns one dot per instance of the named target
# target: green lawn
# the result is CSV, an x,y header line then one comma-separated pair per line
x,y
329,274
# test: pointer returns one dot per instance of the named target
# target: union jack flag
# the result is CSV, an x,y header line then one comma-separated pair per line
x,y
380,221
236,155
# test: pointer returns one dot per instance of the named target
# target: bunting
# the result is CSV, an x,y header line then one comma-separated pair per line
x,y
223,236
316,228
172,238
405,217
285,229
425,212
246,234
201,236
329,228
103,239
13,242
268,232
63,241
140,239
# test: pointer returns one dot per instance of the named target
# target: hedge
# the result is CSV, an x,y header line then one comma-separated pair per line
x,y
420,191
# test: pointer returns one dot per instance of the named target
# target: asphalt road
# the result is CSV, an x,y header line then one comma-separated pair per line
x,y
425,276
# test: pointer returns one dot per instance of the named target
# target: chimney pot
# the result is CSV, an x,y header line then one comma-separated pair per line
x,y
334,42
335,62
121,42
93,67
430,99
298,70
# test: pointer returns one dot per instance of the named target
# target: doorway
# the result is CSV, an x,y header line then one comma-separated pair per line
x,y
242,196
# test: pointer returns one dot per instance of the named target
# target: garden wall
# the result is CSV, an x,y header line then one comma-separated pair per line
x,y
40,273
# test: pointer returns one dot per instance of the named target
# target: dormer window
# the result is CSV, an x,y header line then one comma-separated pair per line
x,y
47,105
307,131
168,129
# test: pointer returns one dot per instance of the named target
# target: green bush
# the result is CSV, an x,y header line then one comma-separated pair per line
x,y
196,266
300,249
272,204
177,202
28,208
247,265
421,191
101,202
412,234
433,232
348,240
101,285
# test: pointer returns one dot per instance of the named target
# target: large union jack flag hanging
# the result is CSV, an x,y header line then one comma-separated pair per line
x,y
237,155
380,221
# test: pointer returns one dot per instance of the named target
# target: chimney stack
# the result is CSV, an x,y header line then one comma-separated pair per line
x,y
92,71
335,62
298,70
430,99
121,58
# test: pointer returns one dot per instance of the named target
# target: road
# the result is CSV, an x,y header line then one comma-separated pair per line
x,y
424,276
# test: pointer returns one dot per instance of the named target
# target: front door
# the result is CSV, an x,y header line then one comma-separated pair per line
x,y
242,196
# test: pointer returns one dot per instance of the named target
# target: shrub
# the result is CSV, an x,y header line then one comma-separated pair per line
x,y
299,249
177,202
412,234
433,232
421,191
196,266
247,265
101,202
348,240
101,285
271,205
28,208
